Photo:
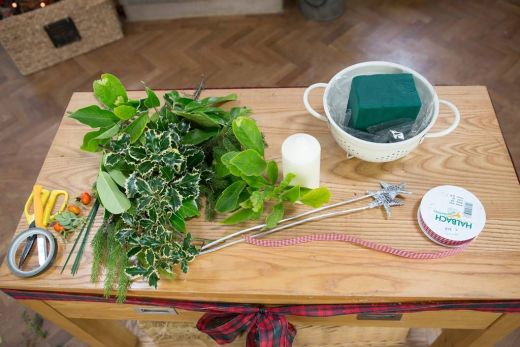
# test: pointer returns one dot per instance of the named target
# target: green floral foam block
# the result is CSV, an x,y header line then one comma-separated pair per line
x,y
376,99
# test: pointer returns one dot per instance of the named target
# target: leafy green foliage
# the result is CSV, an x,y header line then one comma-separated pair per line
x,y
275,215
255,179
136,128
109,90
249,163
316,197
95,117
125,112
228,200
70,222
151,100
248,134
155,170
163,187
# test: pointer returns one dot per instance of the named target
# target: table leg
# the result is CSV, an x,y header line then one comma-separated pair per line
x,y
488,337
96,333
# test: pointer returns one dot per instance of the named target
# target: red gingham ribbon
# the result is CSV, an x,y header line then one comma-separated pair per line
x,y
438,238
355,240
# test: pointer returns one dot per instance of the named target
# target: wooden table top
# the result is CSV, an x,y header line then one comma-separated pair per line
x,y
474,156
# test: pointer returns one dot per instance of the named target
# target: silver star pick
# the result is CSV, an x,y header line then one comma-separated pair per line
x,y
387,197
394,189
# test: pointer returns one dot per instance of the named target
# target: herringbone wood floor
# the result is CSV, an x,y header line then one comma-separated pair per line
x,y
451,42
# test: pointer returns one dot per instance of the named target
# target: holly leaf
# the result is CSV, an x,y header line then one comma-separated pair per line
x,y
174,199
248,134
316,197
94,117
137,153
133,251
111,160
145,167
228,200
134,271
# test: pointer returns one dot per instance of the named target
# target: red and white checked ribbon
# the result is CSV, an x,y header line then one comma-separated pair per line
x,y
438,238
355,240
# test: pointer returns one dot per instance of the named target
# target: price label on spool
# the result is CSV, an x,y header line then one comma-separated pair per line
x,y
451,216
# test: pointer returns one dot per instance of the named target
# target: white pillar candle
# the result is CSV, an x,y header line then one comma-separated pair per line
x,y
301,155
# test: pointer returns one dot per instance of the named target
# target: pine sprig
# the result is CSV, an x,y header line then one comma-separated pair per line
x,y
111,259
123,281
98,244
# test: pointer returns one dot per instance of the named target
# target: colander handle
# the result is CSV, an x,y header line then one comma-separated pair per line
x,y
456,121
306,100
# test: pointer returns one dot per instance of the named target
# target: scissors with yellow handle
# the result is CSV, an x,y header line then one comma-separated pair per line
x,y
43,203
47,203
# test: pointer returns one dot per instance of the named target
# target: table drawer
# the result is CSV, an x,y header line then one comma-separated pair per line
x,y
435,319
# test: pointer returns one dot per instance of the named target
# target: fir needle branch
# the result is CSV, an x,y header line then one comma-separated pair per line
x,y
99,252
111,261
123,281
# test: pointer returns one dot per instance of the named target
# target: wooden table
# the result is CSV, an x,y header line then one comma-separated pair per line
x,y
474,156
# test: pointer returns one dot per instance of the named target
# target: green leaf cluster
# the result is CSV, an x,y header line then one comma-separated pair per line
x,y
159,162
70,222
118,113
254,180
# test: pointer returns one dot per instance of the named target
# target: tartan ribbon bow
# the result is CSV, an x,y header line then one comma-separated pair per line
x,y
266,328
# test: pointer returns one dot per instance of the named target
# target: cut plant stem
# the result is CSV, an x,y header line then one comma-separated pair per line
x,y
90,222
290,225
303,214
73,247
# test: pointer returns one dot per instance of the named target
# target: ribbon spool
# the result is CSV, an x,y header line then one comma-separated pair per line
x,y
451,216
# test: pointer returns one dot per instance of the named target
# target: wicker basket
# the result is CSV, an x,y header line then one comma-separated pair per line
x,y
27,37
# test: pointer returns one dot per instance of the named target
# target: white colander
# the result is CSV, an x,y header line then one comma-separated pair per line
x,y
335,101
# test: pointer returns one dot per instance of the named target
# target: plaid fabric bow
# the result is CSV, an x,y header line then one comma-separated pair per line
x,y
266,328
